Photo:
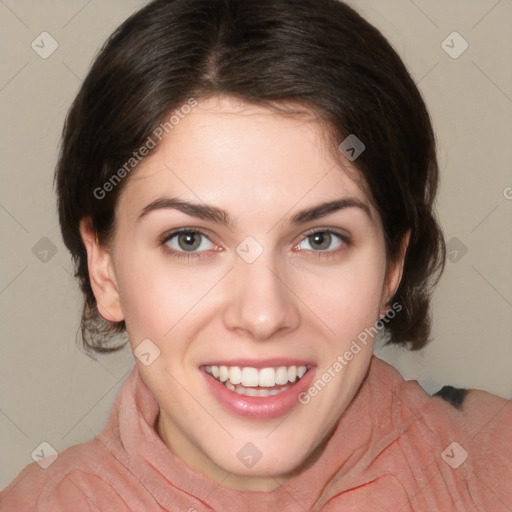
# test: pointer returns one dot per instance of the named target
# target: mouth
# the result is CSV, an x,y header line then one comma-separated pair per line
x,y
258,390
251,381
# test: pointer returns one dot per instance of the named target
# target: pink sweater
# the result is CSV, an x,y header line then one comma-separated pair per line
x,y
394,449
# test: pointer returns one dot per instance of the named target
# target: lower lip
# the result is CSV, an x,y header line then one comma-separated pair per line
x,y
265,407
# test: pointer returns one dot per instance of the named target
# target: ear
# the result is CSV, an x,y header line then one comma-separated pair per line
x,y
394,274
101,274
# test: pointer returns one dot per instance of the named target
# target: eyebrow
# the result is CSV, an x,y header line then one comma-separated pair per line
x,y
220,216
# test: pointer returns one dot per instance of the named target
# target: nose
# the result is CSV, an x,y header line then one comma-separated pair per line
x,y
261,303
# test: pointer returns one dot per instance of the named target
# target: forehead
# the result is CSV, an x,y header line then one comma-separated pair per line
x,y
240,156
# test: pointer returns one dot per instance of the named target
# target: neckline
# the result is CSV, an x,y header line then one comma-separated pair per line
x,y
131,437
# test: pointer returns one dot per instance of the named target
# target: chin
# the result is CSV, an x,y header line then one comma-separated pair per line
x,y
261,457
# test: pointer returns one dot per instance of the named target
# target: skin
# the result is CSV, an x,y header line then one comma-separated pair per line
x,y
298,299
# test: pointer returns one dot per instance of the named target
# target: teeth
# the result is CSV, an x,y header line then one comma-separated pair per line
x,y
235,375
255,392
223,373
267,378
250,377
282,375
250,392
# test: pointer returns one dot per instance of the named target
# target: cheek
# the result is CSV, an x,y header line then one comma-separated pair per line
x,y
346,298
156,295
148,298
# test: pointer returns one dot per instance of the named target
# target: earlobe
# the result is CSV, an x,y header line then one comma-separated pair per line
x,y
394,275
101,274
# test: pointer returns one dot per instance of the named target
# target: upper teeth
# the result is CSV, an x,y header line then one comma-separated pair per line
x,y
252,377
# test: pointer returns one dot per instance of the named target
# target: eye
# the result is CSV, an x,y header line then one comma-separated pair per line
x,y
186,240
324,241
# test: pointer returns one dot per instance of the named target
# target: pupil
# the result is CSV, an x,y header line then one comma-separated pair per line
x,y
188,241
322,240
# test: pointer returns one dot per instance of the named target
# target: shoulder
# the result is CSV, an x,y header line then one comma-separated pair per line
x,y
71,482
477,418
467,411
487,419
482,415
96,475
480,451
460,440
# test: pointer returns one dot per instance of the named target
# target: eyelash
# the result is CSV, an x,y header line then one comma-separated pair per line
x,y
345,239
182,254
194,231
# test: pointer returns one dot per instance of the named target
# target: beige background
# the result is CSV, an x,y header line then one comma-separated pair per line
x,y
53,392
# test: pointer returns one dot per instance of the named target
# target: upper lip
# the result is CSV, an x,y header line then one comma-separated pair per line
x,y
274,362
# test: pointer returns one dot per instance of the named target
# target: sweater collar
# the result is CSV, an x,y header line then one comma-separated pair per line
x,y
361,433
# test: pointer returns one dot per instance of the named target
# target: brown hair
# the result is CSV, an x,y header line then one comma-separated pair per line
x,y
317,53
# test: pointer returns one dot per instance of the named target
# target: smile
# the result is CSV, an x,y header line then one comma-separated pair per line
x,y
249,381
261,393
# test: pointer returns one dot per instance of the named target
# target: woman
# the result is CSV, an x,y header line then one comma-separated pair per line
x,y
247,189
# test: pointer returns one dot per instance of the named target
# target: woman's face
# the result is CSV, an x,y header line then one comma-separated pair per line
x,y
263,280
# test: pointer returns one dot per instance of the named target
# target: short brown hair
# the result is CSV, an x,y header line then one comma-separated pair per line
x,y
317,53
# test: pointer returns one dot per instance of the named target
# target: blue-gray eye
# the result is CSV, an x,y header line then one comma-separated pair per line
x,y
188,241
322,241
